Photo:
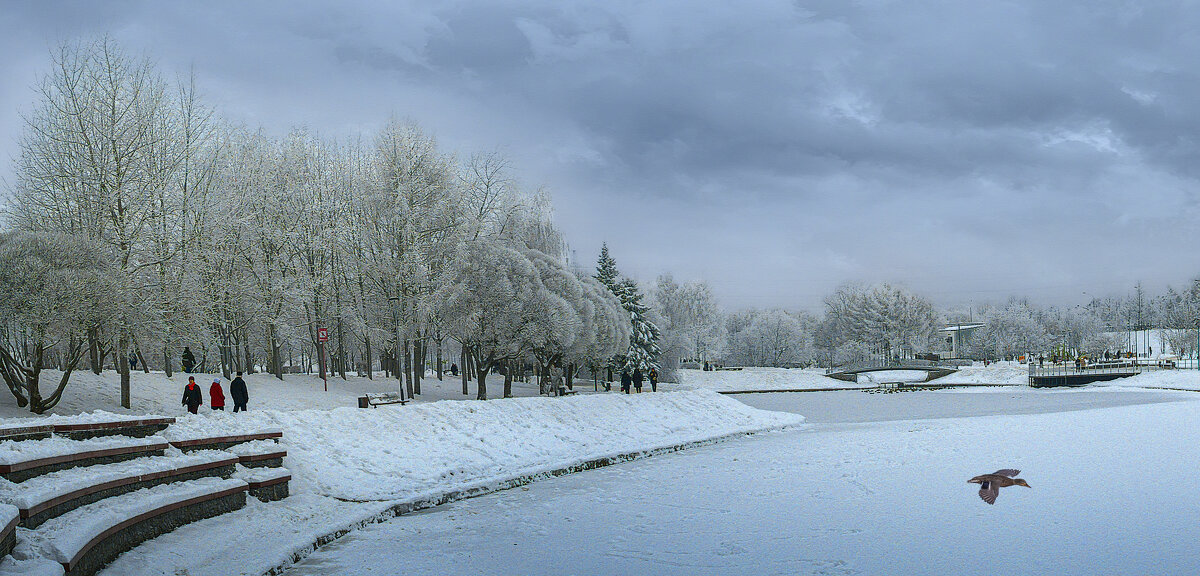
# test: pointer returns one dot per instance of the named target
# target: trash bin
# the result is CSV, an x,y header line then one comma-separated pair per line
x,y
364,402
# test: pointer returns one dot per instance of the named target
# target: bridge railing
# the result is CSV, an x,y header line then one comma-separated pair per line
x,y
896,364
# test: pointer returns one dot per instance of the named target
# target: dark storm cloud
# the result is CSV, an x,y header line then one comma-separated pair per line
x,y
776,149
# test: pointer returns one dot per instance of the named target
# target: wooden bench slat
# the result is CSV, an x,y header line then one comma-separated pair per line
x,y
77,456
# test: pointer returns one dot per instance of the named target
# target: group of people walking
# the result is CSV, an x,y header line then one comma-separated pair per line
x,y
635,380
192,397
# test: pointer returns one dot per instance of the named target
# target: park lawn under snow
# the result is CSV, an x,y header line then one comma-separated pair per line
x,y
156,394
752,378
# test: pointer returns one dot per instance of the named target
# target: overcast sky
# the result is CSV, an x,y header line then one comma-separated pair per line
x,y
967,150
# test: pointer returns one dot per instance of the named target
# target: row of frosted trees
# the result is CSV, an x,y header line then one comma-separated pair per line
x,y
178,230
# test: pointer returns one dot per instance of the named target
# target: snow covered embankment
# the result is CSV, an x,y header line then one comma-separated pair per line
x,y
403,457
755,378
397,453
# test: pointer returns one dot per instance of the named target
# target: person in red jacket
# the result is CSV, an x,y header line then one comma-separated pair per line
x,y
216,395
191,395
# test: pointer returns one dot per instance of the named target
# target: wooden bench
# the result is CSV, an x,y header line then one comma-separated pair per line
x,y
139,428
90,540
375,400
22,470
36,510
263,459
223,442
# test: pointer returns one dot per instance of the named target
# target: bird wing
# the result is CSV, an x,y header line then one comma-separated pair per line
x,y
1008,472
989,491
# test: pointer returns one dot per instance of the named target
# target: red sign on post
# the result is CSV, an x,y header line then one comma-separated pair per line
x,y
322,334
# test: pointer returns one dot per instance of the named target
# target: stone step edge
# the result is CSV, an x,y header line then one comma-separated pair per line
x,y
101,537
77,456
38,508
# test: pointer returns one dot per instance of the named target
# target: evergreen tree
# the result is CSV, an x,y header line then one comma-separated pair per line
x,y
643,340
606,270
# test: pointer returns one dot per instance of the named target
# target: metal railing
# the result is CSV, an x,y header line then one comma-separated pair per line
x,y
896,364
1116,367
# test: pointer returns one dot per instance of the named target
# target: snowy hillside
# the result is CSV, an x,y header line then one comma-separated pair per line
x,y
1010,373
759,379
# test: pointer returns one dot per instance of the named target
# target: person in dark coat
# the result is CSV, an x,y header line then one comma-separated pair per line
x,y
237,390
132,361
216,396
653,380
453,369
637,380
191,395
188,360
626,381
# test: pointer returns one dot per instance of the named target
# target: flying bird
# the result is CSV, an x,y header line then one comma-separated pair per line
x,y
990,484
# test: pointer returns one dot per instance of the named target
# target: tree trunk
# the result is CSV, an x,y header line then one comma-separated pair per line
x,y
462,361
93,335
418,353
167,361
123,368
439,357
367,352
508,378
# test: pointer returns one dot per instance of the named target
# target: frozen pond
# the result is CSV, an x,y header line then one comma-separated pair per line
x,y
859,406
1112,492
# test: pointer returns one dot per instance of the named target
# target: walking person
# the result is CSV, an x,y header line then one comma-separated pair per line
x,y
626,381
216,396
237,390
637,379
132,361
191,395
653,379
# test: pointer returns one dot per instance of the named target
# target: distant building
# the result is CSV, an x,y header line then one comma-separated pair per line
x,y
957,336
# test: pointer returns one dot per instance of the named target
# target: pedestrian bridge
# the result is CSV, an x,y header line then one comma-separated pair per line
x,y
849,372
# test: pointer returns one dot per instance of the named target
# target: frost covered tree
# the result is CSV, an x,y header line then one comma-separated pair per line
x,y
53,287
694,326
889,320
1010,331
771,338
643,350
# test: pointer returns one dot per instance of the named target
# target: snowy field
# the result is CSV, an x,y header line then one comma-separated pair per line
x,y
759,379
1111,494
154,393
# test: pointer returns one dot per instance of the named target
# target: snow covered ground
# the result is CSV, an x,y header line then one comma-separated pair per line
x,y
1111,494
351,465
758,379
154,393
1000,373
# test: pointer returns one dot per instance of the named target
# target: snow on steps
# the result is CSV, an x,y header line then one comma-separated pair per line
x,y
57,493
85,539
22,460
259,454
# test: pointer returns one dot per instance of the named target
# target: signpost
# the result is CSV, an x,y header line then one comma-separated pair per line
x,y
322,338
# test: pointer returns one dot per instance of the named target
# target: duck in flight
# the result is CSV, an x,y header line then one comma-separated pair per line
x,y
990,484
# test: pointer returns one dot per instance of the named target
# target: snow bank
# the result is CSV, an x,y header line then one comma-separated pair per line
x,y
1000,373
756,379
399,452
1178,379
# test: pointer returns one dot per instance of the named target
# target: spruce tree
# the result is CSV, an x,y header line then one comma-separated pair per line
x,y
643,339
606,270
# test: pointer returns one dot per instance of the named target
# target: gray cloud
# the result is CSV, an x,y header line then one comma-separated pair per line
x,y
775,149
